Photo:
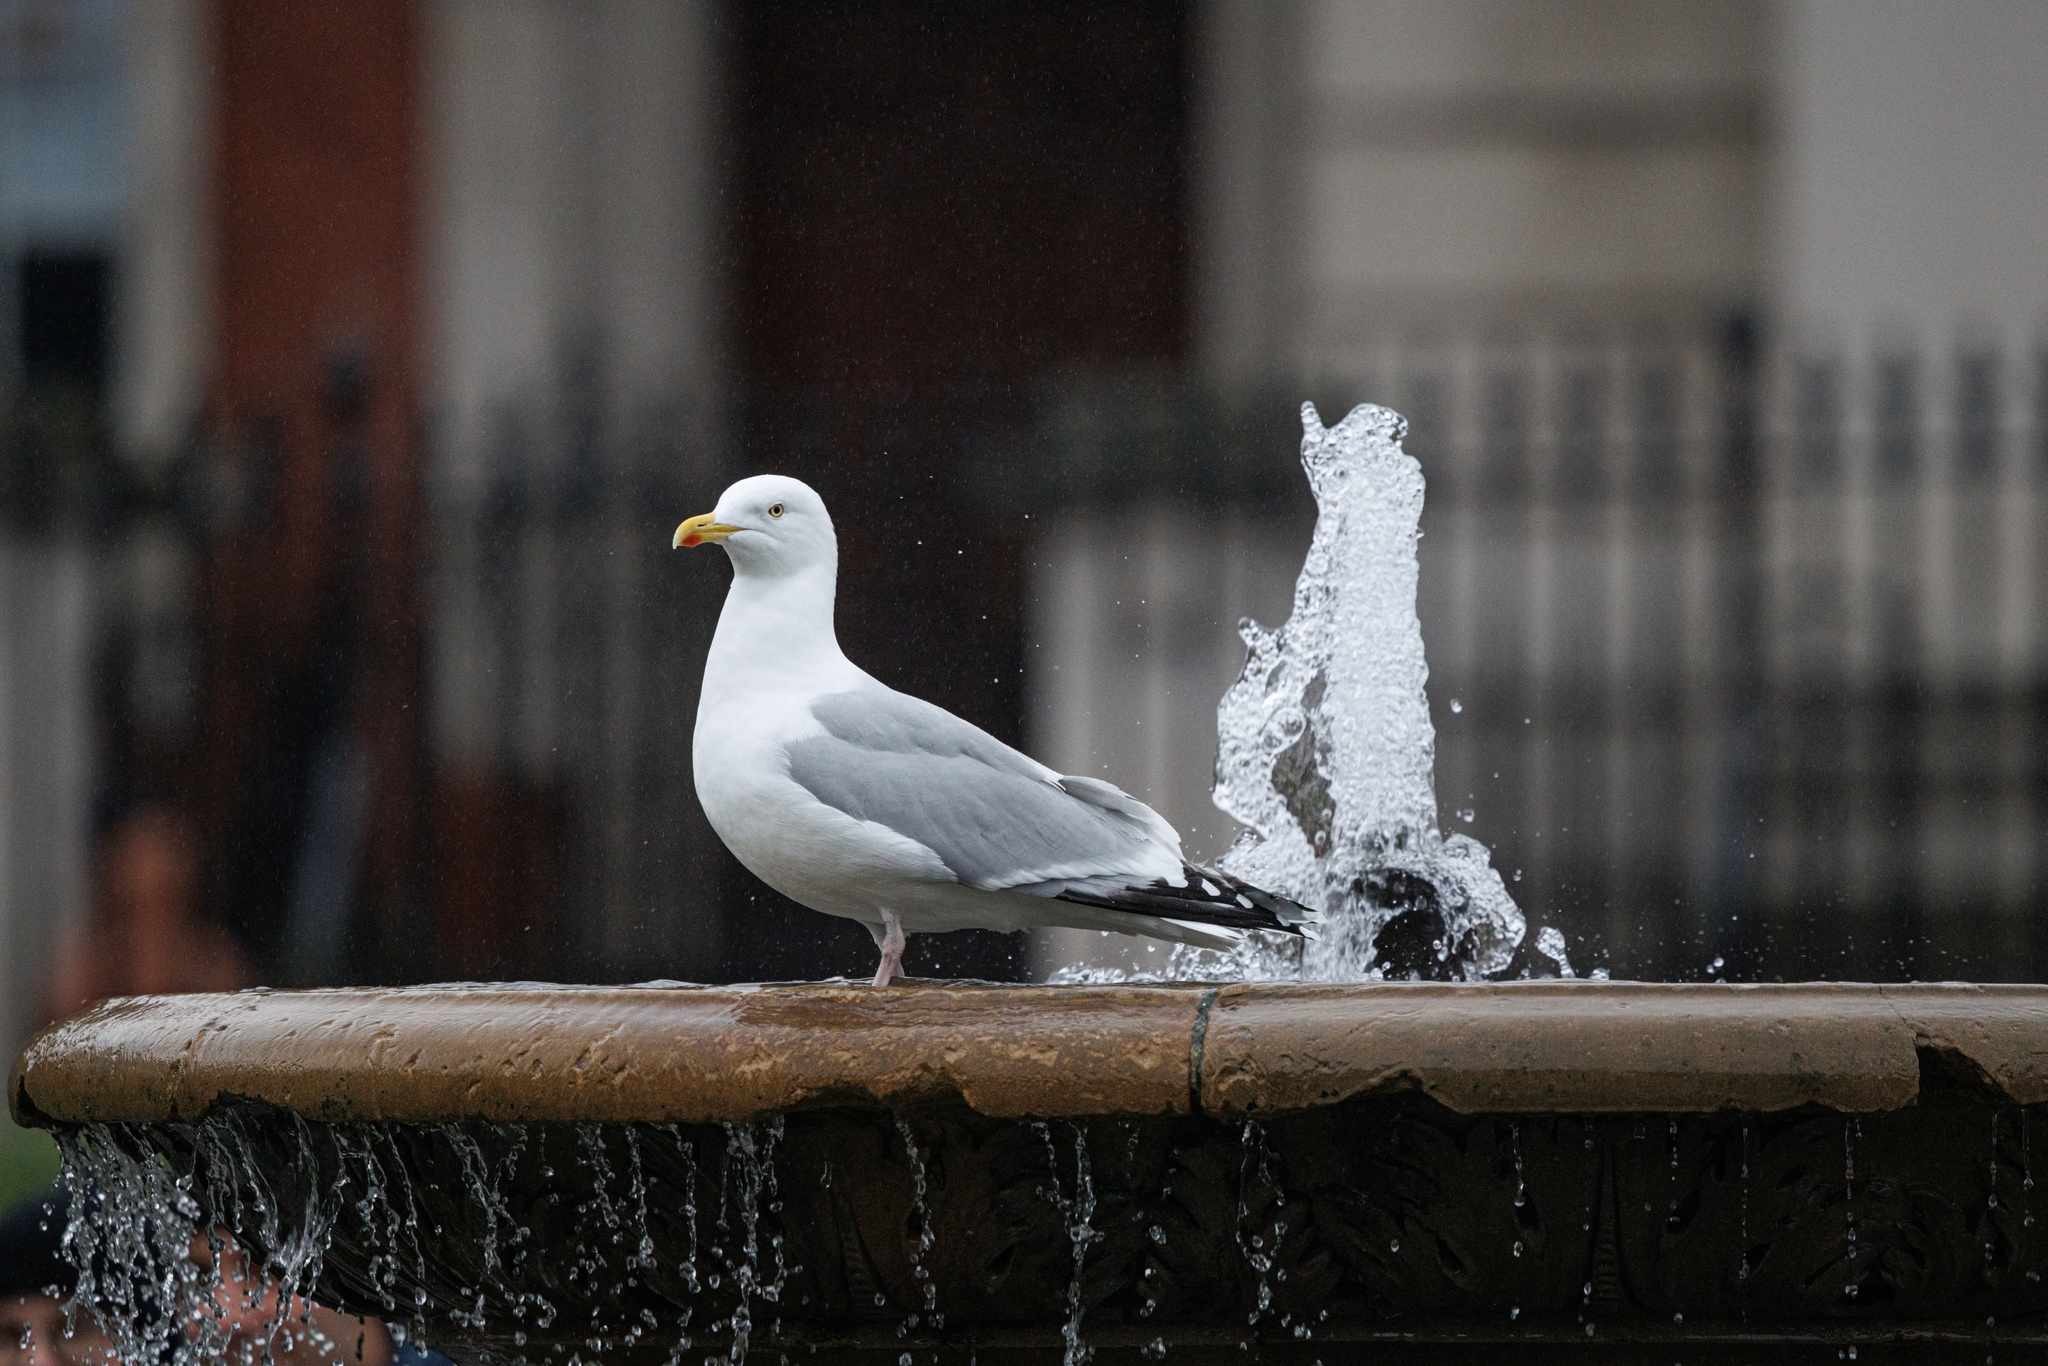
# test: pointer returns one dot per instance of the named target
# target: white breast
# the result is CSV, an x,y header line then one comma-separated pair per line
x,y
808,851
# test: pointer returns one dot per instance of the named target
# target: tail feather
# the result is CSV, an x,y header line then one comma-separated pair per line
x,y
1210,897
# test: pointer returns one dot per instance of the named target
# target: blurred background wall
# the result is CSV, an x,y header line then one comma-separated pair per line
x,y
358,357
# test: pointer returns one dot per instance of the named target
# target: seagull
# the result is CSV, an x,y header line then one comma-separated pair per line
x,y
860,801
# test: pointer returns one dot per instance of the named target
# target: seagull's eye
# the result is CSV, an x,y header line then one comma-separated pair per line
x,y
775,509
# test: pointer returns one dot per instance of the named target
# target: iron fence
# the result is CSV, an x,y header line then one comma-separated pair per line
x,y
1739,659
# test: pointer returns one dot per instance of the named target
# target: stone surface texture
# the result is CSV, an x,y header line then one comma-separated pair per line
x,y
699,1054
969,1172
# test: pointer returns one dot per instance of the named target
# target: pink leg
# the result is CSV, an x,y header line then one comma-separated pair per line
x,y
892,949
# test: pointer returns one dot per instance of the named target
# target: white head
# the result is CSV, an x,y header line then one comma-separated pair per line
x,y
771,525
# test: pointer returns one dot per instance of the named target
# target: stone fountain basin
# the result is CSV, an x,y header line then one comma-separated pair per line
x,y
968,1170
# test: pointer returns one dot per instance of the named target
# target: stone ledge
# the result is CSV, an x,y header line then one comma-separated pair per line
x,y
698,1054
1604,1047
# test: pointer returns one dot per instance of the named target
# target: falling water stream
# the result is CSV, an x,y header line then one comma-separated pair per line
x,y
919,1189
152,1259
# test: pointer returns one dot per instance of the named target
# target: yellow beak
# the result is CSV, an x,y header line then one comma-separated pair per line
x,y
699,529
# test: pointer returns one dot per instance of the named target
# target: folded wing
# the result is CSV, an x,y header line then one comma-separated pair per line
x,y
997,819
1001,821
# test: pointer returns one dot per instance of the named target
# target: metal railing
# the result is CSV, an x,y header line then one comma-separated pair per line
x,y
1749,650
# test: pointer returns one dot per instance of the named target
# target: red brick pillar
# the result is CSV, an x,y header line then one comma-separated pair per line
x,y
311,595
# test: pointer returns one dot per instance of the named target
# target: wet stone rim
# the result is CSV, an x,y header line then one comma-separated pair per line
x,y
542,1172
679,1054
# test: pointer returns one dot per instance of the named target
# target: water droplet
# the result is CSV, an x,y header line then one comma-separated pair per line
x,y
1456,706
1394,1246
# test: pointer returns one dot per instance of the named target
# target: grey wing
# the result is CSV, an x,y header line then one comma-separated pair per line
x,y
995,817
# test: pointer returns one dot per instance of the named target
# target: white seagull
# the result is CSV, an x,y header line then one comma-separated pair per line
x,y
860,801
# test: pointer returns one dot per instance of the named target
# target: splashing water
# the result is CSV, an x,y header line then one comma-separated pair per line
x,y
136,1270
1078,1211
135,1230
202,1242
689,1151
1251,1244
1742,1274
1849,1127
1327,753
925,1235
753,1154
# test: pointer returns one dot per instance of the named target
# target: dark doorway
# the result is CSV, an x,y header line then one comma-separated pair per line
x,y
63,317
932,192
53,467
936,208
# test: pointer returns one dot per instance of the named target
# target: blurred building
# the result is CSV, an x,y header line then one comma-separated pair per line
x,y
1719,333
64,146
359,356
1389,196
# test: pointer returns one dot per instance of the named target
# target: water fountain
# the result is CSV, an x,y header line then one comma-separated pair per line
x,y
1270,1157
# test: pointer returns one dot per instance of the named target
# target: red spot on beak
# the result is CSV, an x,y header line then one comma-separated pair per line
x,y
693,540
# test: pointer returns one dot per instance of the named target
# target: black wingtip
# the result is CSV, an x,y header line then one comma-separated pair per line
x,y
1210,896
